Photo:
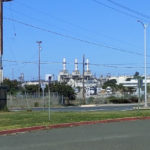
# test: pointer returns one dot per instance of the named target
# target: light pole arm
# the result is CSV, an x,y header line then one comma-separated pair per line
x,y
144,25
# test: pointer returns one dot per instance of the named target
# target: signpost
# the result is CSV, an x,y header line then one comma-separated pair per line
x,y
49,97
140,84
43,86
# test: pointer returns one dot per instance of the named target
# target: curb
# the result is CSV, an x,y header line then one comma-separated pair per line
x,y
34,128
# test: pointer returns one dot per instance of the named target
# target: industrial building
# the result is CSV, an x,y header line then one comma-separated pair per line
x,y
76,79
92,84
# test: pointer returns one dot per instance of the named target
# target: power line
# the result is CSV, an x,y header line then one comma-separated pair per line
x,y
12,16
120,11
30,62
75,38
98,65
113,66
50,15
36,19
64,21
129,9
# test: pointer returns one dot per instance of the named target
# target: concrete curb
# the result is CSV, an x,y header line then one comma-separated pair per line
x,y
29,129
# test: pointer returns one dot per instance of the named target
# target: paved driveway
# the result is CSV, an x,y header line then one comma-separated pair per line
x,y
133,135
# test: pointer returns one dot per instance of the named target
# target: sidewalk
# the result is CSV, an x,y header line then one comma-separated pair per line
x,y
97,105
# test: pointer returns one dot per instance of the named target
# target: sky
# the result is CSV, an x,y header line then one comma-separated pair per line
x,y
105,31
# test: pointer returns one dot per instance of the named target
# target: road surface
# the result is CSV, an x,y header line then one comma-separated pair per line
x,y
106,107
118,107
133,135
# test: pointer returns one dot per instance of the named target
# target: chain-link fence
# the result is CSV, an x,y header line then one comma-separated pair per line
x,y
112,98
28,101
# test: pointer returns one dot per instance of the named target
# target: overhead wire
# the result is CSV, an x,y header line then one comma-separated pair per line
x,y
129,9
80,63
30,62
114,66
120,11
75,38
36,19
43,22
71,24
12,16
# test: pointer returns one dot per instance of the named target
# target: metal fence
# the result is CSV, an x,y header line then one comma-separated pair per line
x,y
110,98
28,101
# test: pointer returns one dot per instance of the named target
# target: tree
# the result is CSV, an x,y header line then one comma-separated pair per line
x,y
110,83
129,89
139,78
120,87
13,86
63,89
31,89
136,75
148,88
128,79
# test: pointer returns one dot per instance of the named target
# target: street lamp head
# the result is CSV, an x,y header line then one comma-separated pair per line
x,y
39,42
140,22
143,24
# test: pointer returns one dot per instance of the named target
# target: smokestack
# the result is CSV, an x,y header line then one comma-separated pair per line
x,y
76,64
87,65
64,64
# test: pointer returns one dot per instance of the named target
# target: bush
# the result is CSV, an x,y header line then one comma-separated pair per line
x,y
119,100
90,100
134,99
36,104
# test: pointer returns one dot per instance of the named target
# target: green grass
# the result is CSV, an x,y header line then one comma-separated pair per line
x,y
13,120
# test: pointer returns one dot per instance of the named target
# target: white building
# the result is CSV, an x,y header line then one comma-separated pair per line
x,y
128,81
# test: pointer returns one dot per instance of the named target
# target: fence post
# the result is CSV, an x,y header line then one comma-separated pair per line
x,y
27,100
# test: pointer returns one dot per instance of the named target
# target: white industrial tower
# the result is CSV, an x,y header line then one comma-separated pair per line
x,y
63,75
76,72
87,72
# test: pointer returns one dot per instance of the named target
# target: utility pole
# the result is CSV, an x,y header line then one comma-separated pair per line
x,y
145,60
1,38
39,67
83,92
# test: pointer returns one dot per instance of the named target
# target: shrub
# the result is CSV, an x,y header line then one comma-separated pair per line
x,y
36,104
90,100
119,100
134,99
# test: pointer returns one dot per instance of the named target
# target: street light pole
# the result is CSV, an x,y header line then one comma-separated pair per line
x,y
145,61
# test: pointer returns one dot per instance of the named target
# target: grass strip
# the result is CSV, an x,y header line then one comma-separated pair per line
x,y
13,120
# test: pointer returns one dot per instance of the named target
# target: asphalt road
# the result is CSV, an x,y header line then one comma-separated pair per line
x,y
122,107
133,135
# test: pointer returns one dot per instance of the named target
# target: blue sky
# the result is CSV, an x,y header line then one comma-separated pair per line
x,y
86,20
